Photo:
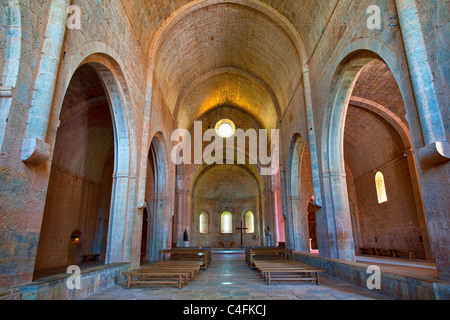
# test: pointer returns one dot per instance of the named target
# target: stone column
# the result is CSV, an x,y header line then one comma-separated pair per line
x,y
312,138
436,148
334,226
419,203
433,157
299,225
35,150
117,229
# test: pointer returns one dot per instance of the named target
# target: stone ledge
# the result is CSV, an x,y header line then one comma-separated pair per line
x,y
394,286
11,294
93,280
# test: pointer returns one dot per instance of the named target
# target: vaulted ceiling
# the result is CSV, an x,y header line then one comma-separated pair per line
x,y
85,140
234,53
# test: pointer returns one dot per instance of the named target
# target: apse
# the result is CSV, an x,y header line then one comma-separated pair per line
x,y
223,197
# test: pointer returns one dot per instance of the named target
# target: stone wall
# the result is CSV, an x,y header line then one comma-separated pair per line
x,y
92,280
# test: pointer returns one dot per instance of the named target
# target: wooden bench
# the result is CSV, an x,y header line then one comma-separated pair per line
x,y
156,277
383,252
368,251
192,270
268,254
227,244
403,253
287,271
187,254
90,258
294,274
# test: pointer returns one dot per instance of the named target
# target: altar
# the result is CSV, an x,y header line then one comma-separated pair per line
x,y
227,244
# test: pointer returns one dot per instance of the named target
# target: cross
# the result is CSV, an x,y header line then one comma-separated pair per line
x,y
242,233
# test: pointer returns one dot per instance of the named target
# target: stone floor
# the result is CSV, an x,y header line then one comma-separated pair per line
x,y
230,278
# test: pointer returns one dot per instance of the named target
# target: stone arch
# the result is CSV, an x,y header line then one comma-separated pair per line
x,y
160,224
108,66
163,33
387,115
258,203
351,62
228,70
90,165
338,224
297,221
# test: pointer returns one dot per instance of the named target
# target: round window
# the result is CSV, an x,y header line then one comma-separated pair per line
x,y
225,128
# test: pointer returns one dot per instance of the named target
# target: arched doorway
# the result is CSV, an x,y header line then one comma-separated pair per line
x,y
367,132
79,194
231,197
155,232
383,186
300,187
312,226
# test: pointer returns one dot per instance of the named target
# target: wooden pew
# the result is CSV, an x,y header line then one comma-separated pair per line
x,y
90,258
187,254
249,249
368,251
156,277
295,274
383,252
403,253
268,254
192,270
287,271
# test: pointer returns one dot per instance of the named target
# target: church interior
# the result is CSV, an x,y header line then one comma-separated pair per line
x,y
315,128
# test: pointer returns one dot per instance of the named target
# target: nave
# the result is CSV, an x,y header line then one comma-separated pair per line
x,y
230,278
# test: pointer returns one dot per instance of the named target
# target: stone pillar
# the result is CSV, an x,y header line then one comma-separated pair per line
x,y
6,100
419,203
434,155
269,210
436,148
117,230
283,198
299,225
261,218
312,138
35,150
182,214
334,226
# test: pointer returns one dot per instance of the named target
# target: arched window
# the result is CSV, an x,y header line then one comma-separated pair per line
x,y
226,222
203,222
381,188
249,222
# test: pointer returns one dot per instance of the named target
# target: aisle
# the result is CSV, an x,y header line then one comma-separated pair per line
x,y
230,278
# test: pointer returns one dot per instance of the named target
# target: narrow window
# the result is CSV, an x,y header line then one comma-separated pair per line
x,y
249,222
226,222
381,188
203,221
